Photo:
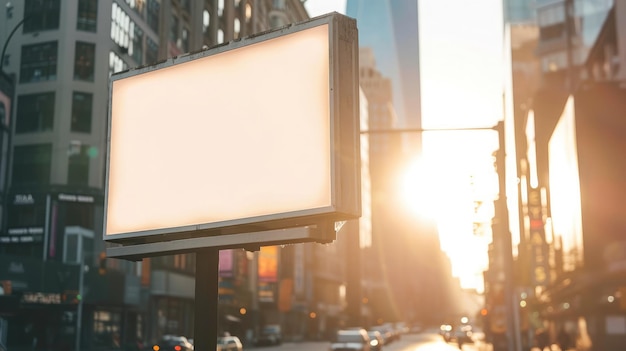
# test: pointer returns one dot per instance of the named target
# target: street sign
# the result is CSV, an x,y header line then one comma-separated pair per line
x,y
257,135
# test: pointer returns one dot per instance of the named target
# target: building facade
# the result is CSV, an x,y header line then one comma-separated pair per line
x,y
568,113
62,291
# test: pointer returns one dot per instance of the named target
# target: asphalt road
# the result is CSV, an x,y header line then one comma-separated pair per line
x,y
427,341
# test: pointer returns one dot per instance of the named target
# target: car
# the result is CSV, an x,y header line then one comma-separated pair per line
x,y
270,335
445,330
376,340
173,343
229,343
351,340
385,332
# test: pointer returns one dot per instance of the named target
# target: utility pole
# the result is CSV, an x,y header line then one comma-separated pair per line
x,y
568,8
503,235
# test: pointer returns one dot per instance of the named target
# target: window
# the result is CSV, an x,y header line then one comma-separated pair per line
x,y
71,249
116,63
136,48
122,29
279,4
78,166
84,56
27,215
31,164
79,214
39,62
554,31
174,29
551,15
87,15
152,51
77,243
183,42
237,27
206,19
81,112
154,8
35,113
41,15
175,40
3,114
106,324
138,6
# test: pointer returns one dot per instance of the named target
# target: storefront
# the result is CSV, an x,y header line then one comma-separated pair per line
x,y
39,304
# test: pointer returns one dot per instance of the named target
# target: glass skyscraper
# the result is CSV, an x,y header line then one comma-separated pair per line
x,y
390,28
519,11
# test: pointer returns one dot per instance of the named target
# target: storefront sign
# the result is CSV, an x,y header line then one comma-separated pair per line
x,y
76,198
23,199
22,235
538,246
42,298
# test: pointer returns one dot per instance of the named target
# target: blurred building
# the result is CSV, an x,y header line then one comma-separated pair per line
x,y
519,11
389,29
568,121
61,55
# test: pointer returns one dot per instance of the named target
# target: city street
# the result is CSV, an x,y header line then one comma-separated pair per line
x,y
427,341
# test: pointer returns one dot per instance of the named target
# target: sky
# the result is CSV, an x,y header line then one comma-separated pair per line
x,y
461,85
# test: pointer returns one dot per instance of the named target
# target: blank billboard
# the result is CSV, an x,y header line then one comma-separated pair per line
x,y
261,133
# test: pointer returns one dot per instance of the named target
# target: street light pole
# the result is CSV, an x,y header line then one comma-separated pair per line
x,y
81,291
501,222
9,125
6,42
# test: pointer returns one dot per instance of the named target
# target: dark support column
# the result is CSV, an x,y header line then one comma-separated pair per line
x,y
502,218
206,299
354,292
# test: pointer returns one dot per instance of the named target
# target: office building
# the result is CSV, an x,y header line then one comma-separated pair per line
x,y
61,54
567,133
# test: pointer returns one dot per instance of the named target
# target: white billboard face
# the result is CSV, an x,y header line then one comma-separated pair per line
x,y
232,137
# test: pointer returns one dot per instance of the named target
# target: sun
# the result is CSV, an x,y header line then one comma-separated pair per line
x,y
420,188
439,188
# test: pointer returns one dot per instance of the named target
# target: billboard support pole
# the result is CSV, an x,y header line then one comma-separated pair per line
x,y
206,299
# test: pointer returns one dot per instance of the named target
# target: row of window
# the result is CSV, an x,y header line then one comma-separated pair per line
x,y
149,13
39,62
42,15
35,112
126,34
32,165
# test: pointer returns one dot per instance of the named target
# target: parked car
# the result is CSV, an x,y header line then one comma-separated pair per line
x,y
229,343
270,335
385,332
351,340
376,340
173,343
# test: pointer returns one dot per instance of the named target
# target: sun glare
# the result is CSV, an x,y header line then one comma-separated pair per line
x,y
420,188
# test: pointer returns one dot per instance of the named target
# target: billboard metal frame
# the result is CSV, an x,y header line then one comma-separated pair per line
x,y
313,223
